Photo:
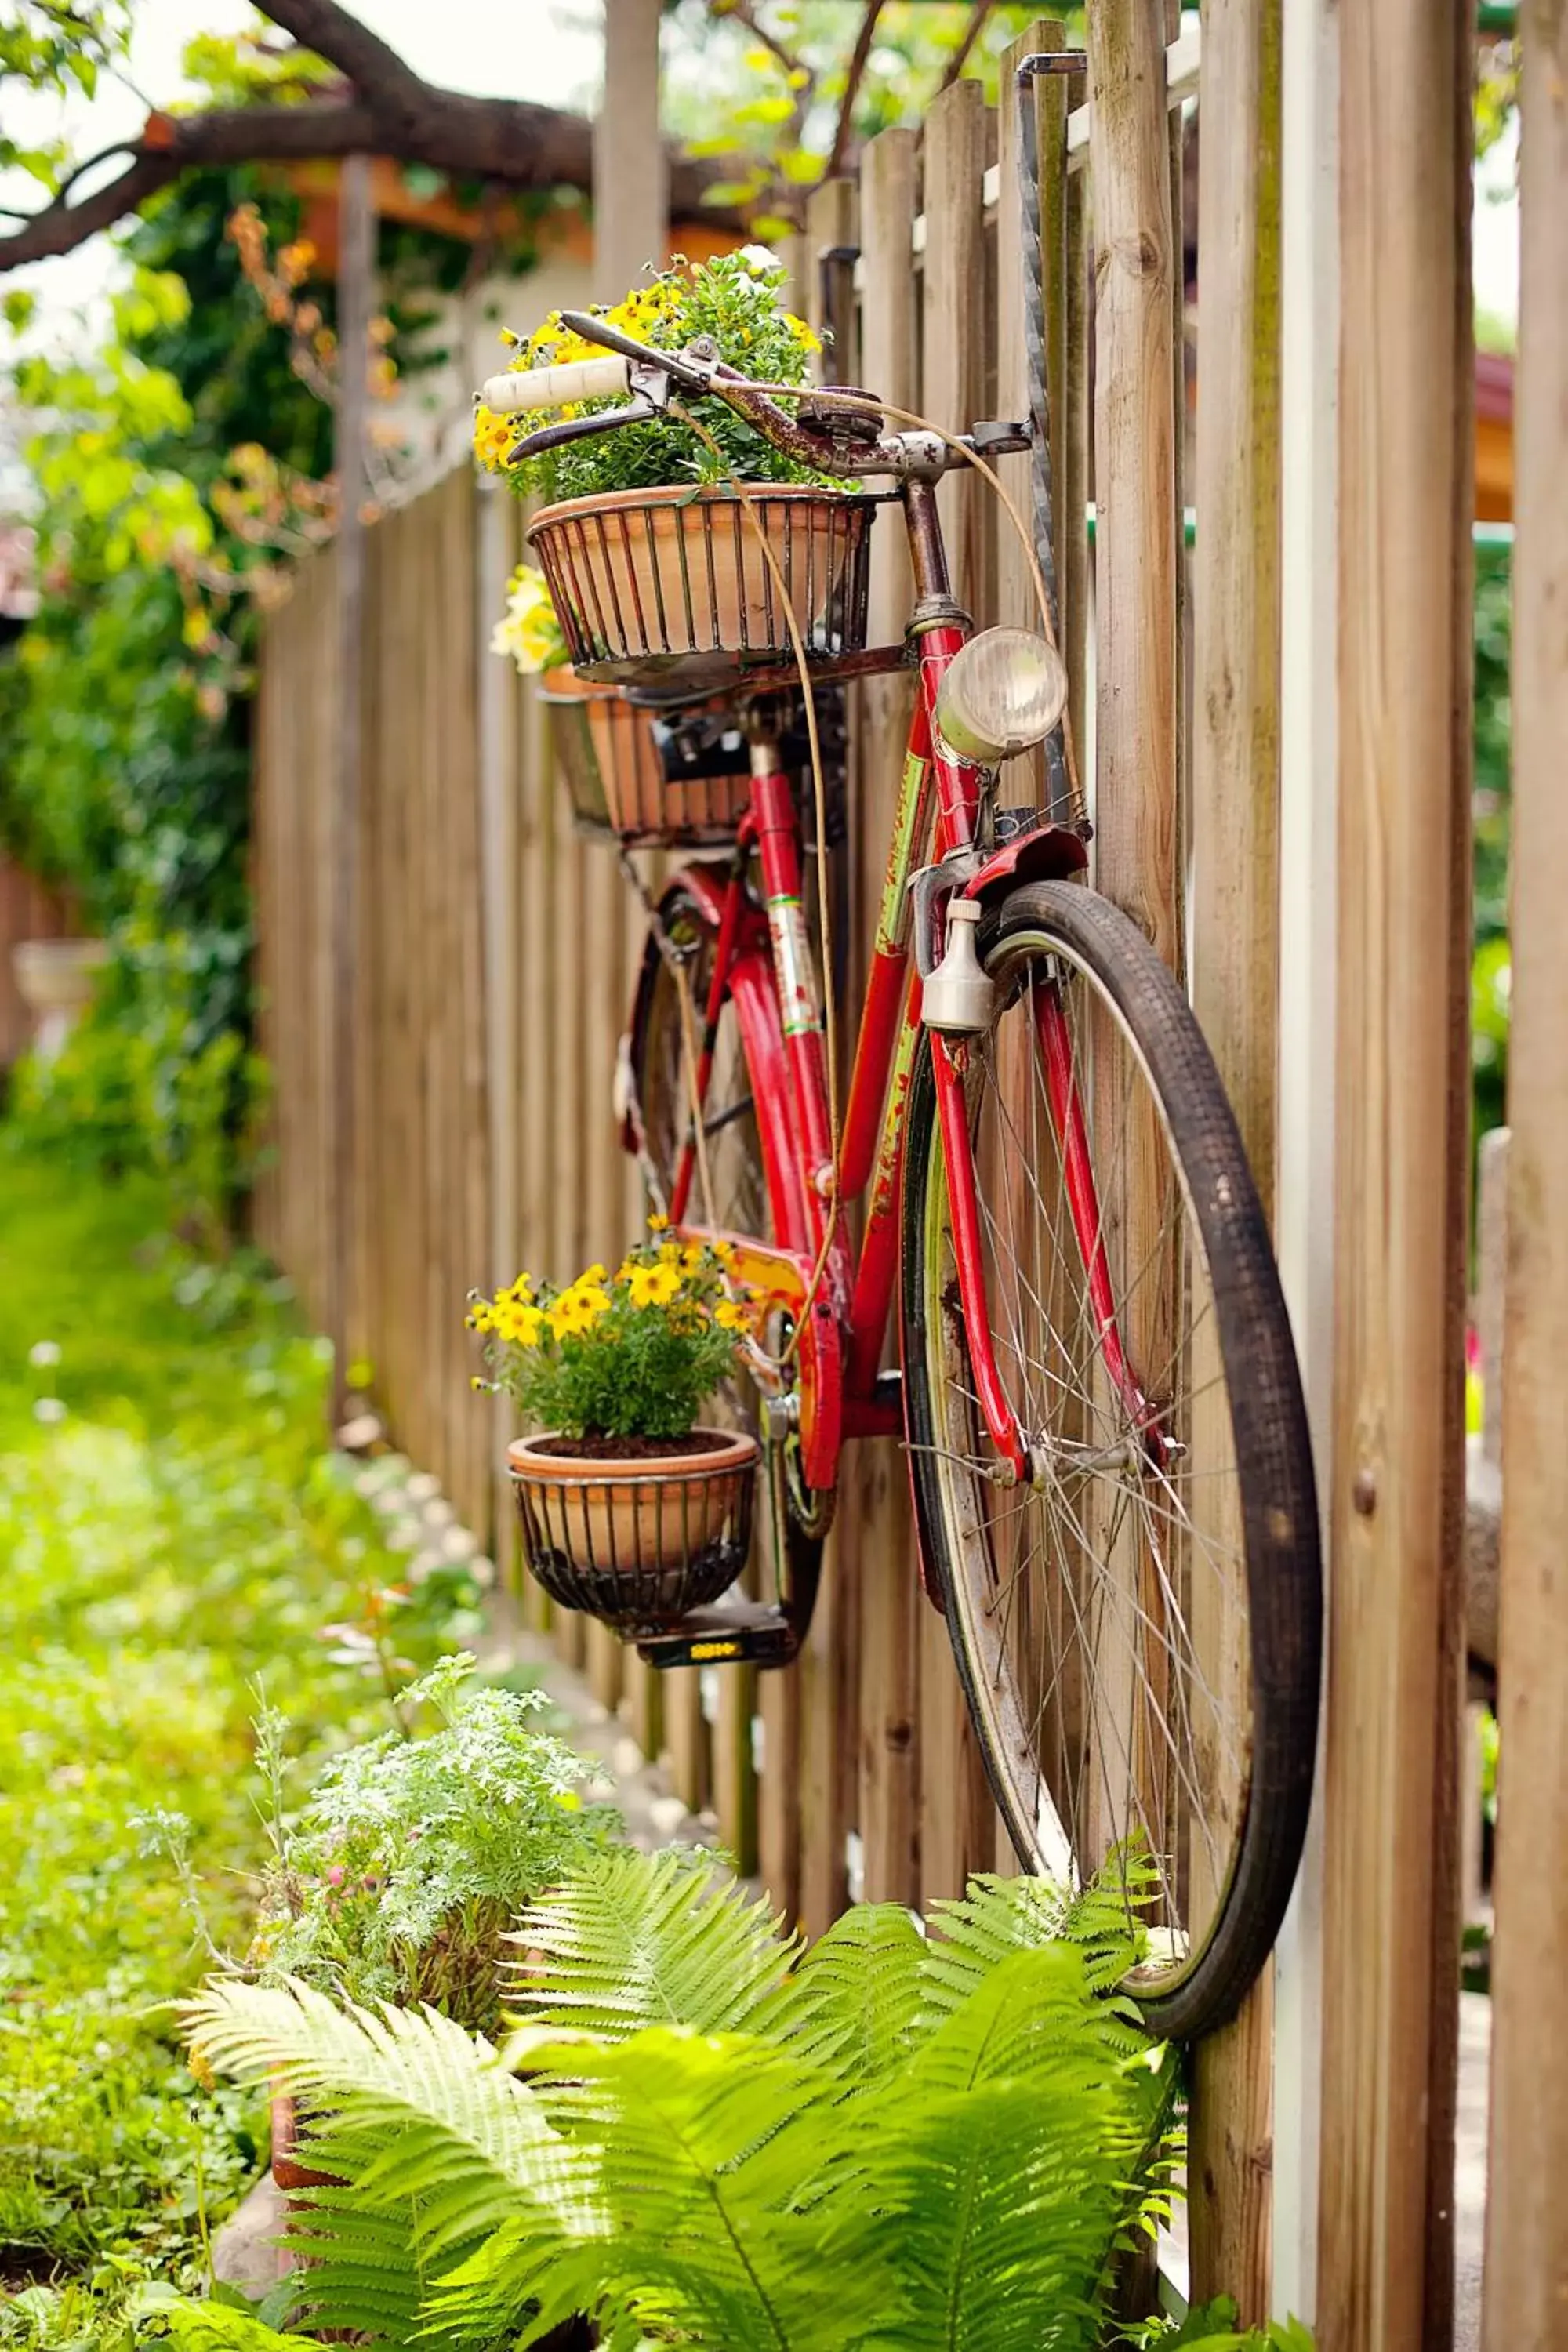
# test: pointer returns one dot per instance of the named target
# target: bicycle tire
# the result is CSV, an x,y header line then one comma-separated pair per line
x,y
1079,936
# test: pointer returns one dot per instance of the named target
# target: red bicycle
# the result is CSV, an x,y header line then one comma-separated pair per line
x,y
1098,1392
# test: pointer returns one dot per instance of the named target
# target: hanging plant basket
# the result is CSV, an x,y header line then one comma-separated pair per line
x,y
614,772
670,586
637,1540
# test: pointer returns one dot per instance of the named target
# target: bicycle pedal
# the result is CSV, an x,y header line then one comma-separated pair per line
x,y
733,1633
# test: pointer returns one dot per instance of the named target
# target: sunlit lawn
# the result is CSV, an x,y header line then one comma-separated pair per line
x,y
172,1531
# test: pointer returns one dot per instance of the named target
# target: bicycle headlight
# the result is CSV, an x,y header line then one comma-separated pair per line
x,y
1003,693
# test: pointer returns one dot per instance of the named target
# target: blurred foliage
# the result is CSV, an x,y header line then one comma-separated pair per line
x,y
174,1536
57,50
123,731
1490,970
764,84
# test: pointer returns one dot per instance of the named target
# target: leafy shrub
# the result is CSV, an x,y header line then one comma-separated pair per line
x,y
404,1867
626,1355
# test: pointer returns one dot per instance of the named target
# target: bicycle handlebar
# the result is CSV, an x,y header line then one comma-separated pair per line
x,y
558,387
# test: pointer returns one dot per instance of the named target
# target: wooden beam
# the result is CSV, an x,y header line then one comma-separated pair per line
x,y
1137,817
1526,2288
355,293
1235,901
888,1591
1393,1586
1307,1073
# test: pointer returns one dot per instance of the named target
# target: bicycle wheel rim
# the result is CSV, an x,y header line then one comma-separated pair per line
x,y
1188,1750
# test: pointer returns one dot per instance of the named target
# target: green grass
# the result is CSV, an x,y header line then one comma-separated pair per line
x,y
179,1534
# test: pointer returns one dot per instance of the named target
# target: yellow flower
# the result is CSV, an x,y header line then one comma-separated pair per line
x,y
570,1317
654,1286
528,630
657,1223
523,1326
730,1317
591,1296
482,1317
725,1251
672,1254
691,1257
803,335
492,439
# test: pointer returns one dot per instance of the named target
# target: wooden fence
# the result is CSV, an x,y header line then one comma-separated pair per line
x,y
1309,822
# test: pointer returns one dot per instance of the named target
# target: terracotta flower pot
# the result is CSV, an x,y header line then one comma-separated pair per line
x,y
289,2174
639,1539
647,581
615,772
56,980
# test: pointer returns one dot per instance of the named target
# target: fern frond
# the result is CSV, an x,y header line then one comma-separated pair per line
x,y
704,2142
1002,2206
633,1940
440,2145
217,2328
973,1932
851,2005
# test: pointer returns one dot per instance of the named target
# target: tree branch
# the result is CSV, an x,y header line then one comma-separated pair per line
x,y
508,142
375,69
972,32
852,89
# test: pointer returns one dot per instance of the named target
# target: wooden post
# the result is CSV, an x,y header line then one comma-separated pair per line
x,y
1306,1074
825,1676
957,1822
356,279
1234,942
1138,820
1526,2288
889,1595
631,203
1386,1817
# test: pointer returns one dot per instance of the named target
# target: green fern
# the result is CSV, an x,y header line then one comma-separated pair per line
x,y
972,1932
854,2002
634,1940
442,2144
715,2139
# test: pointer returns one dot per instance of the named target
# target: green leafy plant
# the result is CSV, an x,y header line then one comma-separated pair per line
x,y
628,1354
706,2134
402,1872
733,300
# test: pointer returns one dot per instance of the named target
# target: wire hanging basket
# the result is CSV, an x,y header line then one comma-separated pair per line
x,y
636,1542
614,766
660,586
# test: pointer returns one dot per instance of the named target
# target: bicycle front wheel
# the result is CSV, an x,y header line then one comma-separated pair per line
x,y
1137,1623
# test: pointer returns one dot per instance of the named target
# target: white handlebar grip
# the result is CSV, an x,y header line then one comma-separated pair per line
x,y
558,387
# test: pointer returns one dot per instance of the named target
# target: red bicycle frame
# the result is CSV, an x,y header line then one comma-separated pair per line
x,y
763,965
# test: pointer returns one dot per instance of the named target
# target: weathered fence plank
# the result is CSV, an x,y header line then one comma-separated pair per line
x,y
1391,1589
1526,2289
884,1570
1234,862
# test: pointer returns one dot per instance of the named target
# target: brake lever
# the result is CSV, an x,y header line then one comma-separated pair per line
x,y
637,411
691,375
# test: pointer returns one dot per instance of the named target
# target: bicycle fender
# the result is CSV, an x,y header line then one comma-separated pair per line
x,y
1050,854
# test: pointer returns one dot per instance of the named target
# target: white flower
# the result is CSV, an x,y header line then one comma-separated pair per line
x,y
42,1353
760,261
49,1409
